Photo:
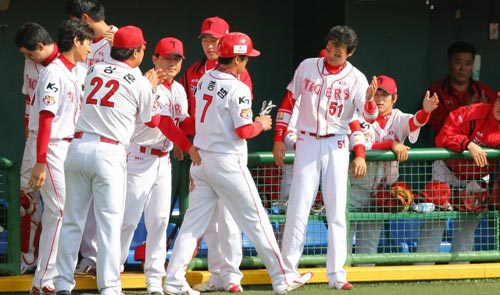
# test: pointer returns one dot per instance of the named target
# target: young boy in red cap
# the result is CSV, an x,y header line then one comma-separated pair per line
x,y
391,128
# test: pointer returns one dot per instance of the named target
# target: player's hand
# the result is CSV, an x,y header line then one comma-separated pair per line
x,y
483,97
401,151
178,153
279,150
266,121
109,35
359,167
155,77
430,102
38,174
477,154
195,156
372,88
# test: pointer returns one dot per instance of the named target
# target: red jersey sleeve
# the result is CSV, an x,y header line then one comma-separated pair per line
x,y
174,133
43,138
283,116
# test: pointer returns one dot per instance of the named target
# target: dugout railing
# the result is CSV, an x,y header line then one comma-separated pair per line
x,y
10,245
400,231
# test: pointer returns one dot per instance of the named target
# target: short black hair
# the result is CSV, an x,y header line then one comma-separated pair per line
x,y
70,29
461,47
228,60
92,8
30,34
122,54
343,35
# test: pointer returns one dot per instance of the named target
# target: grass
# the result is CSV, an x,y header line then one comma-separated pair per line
x,y
458,287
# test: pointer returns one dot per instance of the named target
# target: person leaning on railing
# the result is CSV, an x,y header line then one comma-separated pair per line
x,y
468,128
389,131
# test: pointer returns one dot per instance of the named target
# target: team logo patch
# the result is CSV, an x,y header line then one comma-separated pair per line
x,y
241,49
49,100
246,113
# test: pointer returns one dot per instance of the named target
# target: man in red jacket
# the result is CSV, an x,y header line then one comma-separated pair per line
x,y
458,89
468,128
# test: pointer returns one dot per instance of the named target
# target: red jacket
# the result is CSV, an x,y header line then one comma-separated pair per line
x,y
450,99
193,74
474,123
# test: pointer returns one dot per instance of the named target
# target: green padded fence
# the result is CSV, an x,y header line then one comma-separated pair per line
x,y
10,258
400,231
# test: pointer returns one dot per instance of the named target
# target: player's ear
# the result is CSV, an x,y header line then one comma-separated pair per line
x,y
154,58
394,98
85,18
40,46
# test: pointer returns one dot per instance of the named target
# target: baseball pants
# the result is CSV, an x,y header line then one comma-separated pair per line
x,y
325,159
149,189
94,169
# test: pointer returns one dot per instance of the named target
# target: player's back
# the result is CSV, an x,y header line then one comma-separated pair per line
x,y
115,94
223,104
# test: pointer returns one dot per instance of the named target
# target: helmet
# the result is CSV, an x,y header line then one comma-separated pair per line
x,y
234,44
397,197
474,198
439,193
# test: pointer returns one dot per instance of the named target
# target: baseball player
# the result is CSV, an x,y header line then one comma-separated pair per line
x,y
36,44
466,128
223,236
330,90
149,174
55,109
116,96
389,131
92,13
223,123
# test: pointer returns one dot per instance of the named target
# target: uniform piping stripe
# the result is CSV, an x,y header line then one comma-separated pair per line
x,y
56,229
242,169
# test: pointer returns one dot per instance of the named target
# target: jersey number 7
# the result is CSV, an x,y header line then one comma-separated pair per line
x,y
113,86
209,99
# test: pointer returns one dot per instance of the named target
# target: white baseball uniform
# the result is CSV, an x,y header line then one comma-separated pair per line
x,y
396,128
116,97
223,103
223,236
327,105
59,91
28,258
99,52
149,186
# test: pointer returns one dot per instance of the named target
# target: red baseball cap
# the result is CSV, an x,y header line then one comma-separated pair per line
x,y
128,37
388,84
170,46
234,44
214,26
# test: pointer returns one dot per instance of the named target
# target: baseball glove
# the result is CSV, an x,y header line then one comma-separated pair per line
x,y
395,198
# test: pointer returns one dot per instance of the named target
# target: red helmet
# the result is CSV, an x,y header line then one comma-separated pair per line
x,y
439,193
234,44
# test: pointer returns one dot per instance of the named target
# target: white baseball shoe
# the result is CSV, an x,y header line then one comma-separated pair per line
x,y
174,291
207,287
342,286
234,288
296,283
85,268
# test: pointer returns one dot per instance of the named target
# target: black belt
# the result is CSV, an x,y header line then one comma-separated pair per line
x,y
316,135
